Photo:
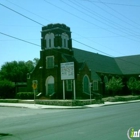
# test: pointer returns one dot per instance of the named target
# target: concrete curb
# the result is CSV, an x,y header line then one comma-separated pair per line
x,y
112,103
38,106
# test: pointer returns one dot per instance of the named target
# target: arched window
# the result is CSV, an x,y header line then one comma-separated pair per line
x,y
65,39
49,85
86,86
49,40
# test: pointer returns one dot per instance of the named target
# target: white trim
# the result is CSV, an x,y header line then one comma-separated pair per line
x,y
48,81
48,37
65,39
88,84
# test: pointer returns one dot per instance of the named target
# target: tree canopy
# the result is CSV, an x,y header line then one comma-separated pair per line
x,y
114,84
133,85
16,71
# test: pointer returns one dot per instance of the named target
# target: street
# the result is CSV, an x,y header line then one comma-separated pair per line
x,y
100,123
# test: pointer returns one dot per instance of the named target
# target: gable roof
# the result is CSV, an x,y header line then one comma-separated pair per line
x,y
129,64
126,65
69,58
97,62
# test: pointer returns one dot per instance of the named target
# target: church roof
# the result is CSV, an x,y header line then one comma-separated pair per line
x,y
69,58
129,64
105,64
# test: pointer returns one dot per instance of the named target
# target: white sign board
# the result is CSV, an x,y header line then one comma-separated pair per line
x,y
67,70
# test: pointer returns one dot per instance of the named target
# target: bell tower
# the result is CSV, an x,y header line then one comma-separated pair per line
x,y
56,36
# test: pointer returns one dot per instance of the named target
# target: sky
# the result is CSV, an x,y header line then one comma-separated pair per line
x,y
107,27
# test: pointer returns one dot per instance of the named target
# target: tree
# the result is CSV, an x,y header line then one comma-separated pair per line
x,y
114,85
14,71
30,65
35,61
17,71
133,85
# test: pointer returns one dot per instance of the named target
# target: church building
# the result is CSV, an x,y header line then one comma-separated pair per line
x,y
64,72
56,49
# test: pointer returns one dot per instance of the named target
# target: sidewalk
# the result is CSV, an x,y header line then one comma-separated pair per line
x,y
39,106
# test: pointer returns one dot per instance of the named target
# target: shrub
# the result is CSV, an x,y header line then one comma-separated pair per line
x,y
114,85
133,85
7,89
25,95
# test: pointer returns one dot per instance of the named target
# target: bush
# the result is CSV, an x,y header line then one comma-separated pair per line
x,y
114,85
133,85
7,89
25,95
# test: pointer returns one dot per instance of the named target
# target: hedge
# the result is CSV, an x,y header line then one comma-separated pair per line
x,y
25,95
7,89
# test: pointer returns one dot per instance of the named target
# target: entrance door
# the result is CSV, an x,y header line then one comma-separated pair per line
x,y
86,82
49,85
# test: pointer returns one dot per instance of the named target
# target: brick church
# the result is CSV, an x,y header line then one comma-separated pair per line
x,y
56,48
88,67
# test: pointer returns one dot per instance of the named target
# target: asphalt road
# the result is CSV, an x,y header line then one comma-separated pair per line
x,y
101,123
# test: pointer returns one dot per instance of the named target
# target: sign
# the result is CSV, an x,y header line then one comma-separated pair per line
x,y
34,84
67,70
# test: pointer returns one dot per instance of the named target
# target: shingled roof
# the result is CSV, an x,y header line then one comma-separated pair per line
x,y
69,58
129,64
105,64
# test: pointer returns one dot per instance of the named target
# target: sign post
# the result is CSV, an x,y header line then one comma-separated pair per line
x,y
34,86
74,89
90,85
67,73
63,89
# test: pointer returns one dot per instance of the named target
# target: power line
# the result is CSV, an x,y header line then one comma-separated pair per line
x,y
106,19
88,21
101,21
19,39
96,43
40,46
80,17
28,11
120,14
119,4
113,14
21,14
92,47
73,40
37,23
42,24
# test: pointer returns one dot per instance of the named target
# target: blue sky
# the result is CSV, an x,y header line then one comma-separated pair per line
x,y
108,27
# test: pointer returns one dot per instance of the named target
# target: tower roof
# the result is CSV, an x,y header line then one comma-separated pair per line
x,y
56,36
56,26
